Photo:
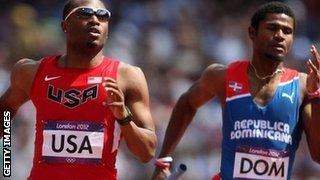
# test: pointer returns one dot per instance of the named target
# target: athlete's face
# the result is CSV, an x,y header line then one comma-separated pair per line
x,y
87,26
274,36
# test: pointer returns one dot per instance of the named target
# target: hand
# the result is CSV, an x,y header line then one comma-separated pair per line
x,y
313,78
160,174
115,98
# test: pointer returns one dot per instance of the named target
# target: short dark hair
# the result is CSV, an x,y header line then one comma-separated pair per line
x,y
69,5
271,7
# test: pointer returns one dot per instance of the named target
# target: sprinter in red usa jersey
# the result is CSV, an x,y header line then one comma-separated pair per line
x,y
85,102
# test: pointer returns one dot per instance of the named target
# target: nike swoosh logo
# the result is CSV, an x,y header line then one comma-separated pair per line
x,y
47,78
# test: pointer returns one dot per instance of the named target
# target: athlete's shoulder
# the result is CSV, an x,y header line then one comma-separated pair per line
x,y
213,78
221,69
131,77
217,67
24,68
214,70
128,70
26,63
214,73
23,73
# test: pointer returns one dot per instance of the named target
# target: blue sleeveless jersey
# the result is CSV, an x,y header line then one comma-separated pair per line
x,y
259,142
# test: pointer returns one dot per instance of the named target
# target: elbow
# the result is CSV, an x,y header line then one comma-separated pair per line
x,y
149,154
146,158
185,104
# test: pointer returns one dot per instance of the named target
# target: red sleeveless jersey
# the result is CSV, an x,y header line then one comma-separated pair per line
x,y
76,136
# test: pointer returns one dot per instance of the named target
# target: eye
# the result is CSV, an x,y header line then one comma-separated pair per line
x,y
85,12
287,31
272,28
103,14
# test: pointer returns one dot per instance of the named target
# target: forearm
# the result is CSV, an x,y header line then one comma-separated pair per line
x,y
313,133
181,117
140,141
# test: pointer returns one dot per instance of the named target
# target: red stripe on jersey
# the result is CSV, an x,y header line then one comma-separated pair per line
x,y
289,74
237,79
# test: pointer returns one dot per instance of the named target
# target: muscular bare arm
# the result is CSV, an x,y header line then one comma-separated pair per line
x,y
210,84
139,136
18,92
311,108
311,124
131,90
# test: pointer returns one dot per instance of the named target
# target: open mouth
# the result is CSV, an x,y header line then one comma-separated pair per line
x,y
278,46
93,31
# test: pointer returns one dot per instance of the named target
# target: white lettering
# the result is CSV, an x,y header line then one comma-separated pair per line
x,y
238,134
6,162
250,123
65,126
6,152
270,135
271,127
263,124
243,124
280,126
251,128
286,128
246,133
237,125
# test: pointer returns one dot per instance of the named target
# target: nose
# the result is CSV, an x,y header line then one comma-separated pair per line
x,y
279,35
94,20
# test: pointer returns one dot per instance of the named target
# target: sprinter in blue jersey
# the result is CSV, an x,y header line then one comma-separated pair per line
x,y
266,106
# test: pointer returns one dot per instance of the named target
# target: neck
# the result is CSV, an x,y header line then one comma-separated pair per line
x,y
81,60
265,69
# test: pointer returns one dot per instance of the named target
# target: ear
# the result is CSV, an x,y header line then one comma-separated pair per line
x,y
63,26
252,32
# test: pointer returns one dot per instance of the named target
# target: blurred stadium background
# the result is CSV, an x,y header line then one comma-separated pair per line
x,y
172,41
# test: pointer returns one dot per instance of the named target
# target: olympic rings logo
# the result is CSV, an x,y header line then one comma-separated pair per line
x,y
71,160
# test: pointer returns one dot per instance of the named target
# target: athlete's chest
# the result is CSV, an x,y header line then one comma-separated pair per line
x,y
278,115
74,121
73,91
262,91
